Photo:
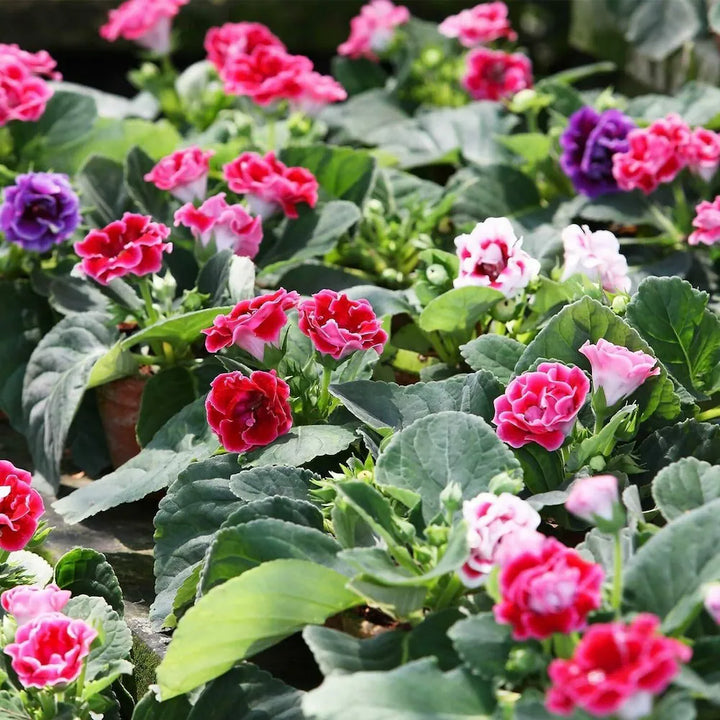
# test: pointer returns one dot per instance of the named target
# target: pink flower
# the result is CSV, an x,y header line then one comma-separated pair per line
x,y
339,326
50,650
616,669
316,91
597,256
270,184
492,256
38,63
20,507
593,497
541,406
711,598
184,173
26,602
131,246
252,324
147,22
493,523
495,75
547,590
707,223
242,37
230,227
701,152
617,370
479,25
372,30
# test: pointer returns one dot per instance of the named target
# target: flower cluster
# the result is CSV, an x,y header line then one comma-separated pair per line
x,y
496,75
146,22
479,25
372,31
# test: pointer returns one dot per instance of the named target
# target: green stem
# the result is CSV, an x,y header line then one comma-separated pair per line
x,y
532,120
616,598
451,590
324,394
708,414
271,134
151,312
682,212
665,223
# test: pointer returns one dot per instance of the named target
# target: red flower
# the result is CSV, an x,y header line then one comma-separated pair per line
x,y
616,668
184,173
548,589
248,412
252,324
541,406
147,22
242,37
131,246
20,507
339,326
494,75
270,184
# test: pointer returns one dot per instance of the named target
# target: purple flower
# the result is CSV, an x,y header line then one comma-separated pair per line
x,y
589,143
39,210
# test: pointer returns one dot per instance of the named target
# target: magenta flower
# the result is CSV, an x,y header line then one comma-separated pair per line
x,y
26,602
496,75
373,29
146,22
238,38
593,497
706,223
702,153
479,25
184,173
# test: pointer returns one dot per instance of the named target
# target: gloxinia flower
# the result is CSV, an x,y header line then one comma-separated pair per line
x,y
39,211
20,507
706,223
479,25
616,669
492,256
26,602
702,152
270,184
184,173
541,406
339,326
242,37
316,91
131,246
593,497
711,600
597,256
589,143
496,75
50,650
252,324
38,63
494,522
373,29
617,370
230,227
146,22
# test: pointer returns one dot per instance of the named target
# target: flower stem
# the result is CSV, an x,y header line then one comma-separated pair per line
x,y
616,598
324,394
151,312
709,414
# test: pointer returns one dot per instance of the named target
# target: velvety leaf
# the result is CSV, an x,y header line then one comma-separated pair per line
x,y
533,147
483,644
149,708
695,102
495,353
658,29
685,485
149,199
357,75
267,481
73,296
458,309
399,190
543,471
443,448
384,302
247,614
101,183
84,571
363,113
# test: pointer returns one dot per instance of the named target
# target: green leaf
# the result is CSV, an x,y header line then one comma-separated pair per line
x,y
416,691
543,471
447,447
165,395
676,705
74,295
148,708
381,405
585,320
183,439
657,29
358,75
495,353
459,309
483,644
263,482
384,302
373,508
149,199
685,485
364,113
246,615
12,706
533,147
667,573
300,512
87,572
54,384
116,363
189,515
101,183
399,190
695,102
302,444
342,172
673,317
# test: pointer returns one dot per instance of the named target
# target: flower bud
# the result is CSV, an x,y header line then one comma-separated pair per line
x,y
596,500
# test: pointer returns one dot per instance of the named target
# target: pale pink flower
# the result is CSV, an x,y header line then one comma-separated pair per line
x,y
617,370
184,173
593,496
26,602
492,256
702,152
498,526
711,597
372,30
146,22
231,227
707,223
596,255
317,91
479,25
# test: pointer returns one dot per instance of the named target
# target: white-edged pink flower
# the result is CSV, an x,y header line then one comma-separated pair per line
x,y
316,91
702,152
498,525
492,256
231,227
617,370
26,602
711,598
184,173
592,497
372,30
479,25
597,256
706,223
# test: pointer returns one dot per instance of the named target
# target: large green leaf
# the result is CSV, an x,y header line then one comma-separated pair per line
x,y
363,113
673,318
667,573
102,188
149,199
188,517
184,438
54,384
447,447
263,482
696,103
380,404
459,309
398,190
84,571
416,691
247,614
483,644
685,485
496,353
148,708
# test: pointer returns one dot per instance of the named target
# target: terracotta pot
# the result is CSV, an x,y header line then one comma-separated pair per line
x,y
119,406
